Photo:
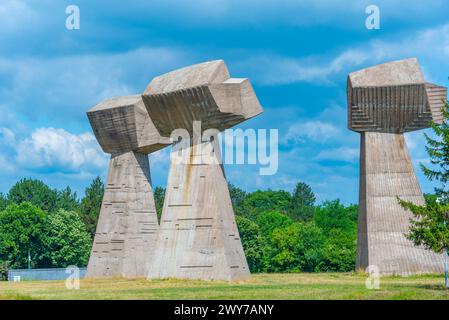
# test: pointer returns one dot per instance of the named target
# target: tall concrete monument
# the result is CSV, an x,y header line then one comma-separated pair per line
x,y
385,101
198,237
127,227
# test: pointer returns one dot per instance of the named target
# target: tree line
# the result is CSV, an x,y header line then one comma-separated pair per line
x,y
280,231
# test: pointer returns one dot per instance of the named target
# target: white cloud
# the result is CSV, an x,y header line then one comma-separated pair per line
x,y
315,130
58,88
7,137
60,151
5,165
274,70
16,16
429,45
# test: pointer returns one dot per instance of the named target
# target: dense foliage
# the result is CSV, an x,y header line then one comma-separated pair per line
x,y
47,227
280,231
283,232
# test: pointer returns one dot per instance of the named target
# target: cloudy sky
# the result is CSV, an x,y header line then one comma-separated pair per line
x,y
296,53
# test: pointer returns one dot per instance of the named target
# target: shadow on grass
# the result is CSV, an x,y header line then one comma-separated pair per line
x,y
15,296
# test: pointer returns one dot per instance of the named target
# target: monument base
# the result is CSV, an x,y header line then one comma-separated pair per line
x,y
386,171
127,226
198,237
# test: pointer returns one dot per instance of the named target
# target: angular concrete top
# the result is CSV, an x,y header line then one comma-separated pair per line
x,y
394,73
191,76
122,124
393,97
203,92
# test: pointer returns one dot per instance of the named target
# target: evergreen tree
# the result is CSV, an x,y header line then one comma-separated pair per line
x,y
237,197
430,226
159,196
301,206
3,202
438,151
67,200
91,204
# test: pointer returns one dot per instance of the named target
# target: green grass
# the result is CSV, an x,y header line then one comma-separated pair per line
x,y
260,286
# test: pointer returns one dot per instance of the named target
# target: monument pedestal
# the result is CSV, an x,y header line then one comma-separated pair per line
x,y
127,226
198,237
386,171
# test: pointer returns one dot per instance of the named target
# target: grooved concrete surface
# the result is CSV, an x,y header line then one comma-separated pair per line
x,y
127,226
393,97
383,102
198,236
386,171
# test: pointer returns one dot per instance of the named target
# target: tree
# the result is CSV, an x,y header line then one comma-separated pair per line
x,y
301,206
67,242
252,242
67,200
339,226
332,215
237,197
430,225
438,151
263,201
159,196
338,252
34,191
22,232
268,221
91,204
294,248
3,202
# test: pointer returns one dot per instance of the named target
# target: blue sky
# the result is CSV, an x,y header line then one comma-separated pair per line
x,y
297,54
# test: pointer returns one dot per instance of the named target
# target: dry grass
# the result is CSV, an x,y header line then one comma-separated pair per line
x,y
260,286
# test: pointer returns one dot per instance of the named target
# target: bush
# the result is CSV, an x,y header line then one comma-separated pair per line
x,y
4,271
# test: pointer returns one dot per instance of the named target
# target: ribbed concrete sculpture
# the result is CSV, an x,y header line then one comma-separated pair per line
x,y
385,101
198,236
127,227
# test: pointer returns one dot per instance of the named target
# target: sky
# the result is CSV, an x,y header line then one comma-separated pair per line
x,y
297,55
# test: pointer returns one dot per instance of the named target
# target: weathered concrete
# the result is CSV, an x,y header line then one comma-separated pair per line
x,y
383,102
127,226
393,97
386,171
198,237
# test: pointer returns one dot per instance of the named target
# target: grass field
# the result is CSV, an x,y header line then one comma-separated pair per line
x,y
260,286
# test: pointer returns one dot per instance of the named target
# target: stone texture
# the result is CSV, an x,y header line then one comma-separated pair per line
x,y
198,237
393,97
386,171
206,94
127,226
383,102
122,124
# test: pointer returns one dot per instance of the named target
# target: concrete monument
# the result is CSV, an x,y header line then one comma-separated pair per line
x,y
385,101
198,237
127,226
